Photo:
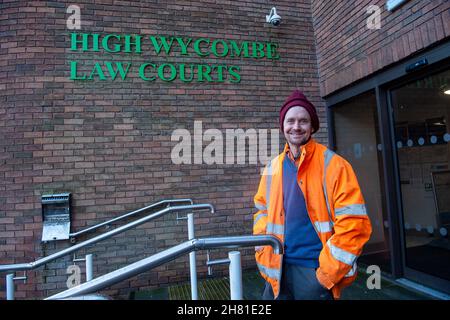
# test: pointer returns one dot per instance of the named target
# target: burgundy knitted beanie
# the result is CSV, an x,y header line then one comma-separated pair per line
x,y
298,99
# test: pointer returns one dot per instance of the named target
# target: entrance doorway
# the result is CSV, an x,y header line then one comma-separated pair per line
x,y
421,115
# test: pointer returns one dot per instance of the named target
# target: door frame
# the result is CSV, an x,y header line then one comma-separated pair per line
x,y
410,273
438,59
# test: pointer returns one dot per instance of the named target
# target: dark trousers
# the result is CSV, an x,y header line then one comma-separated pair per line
x,y
298,283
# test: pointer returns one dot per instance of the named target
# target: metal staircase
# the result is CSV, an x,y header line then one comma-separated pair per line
x,y
171,206
87,290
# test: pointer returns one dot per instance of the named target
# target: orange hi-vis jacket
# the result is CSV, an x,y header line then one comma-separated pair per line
x,y
335,206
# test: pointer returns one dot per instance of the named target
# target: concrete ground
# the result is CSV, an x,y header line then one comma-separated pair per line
x,y
218,289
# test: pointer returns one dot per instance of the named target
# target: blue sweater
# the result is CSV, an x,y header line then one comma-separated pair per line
x,y
302,244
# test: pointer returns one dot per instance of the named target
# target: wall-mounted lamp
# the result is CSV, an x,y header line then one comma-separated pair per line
x,y
391,5
273,18
416,65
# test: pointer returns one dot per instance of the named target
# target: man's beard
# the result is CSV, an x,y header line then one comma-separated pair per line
x,y
305,141
302,142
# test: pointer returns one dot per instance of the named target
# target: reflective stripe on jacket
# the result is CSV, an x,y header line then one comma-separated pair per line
x,y
335,206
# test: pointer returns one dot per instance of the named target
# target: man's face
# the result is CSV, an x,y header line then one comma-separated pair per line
x,y
297,127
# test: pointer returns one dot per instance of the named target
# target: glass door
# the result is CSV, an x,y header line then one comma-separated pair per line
x,y
357,139
421,112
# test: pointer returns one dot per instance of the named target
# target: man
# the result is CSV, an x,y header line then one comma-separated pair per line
x,y
310,199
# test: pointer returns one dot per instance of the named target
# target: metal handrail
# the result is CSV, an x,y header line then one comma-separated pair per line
x,y
129,214
40,262
167,255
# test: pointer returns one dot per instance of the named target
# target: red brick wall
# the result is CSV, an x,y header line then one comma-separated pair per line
x,y
348,51
108,142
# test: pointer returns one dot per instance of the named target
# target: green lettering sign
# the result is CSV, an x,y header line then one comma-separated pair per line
x,y
173,72
219,72
136,43
184,46
272,51
224,48
183,73
116,46
119,69
236,77
197,47
201,47
236,51
75,40
73,72
258,50
203,73
167,45
142,71
97,70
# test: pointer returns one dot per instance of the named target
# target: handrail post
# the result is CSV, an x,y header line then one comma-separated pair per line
x,y
10,286
89,268
235,275
192,259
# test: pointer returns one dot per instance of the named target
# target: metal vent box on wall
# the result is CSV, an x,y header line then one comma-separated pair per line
x,y
55,216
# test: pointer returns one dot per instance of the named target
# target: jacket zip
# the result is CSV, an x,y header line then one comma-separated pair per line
x,y
306,201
